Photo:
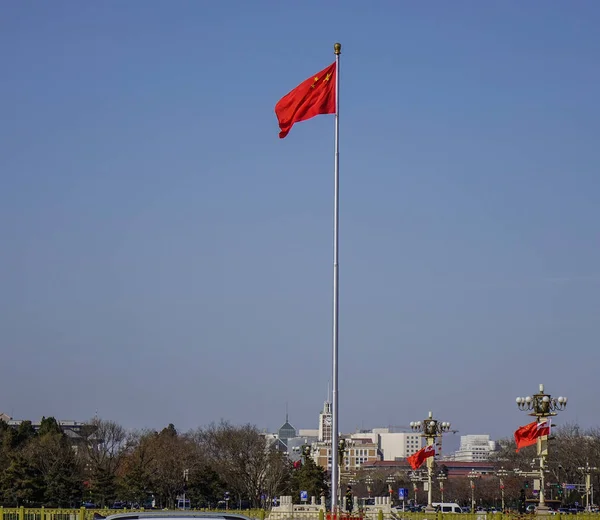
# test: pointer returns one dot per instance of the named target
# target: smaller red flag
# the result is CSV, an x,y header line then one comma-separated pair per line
x,y
297,464
312,97
417,459
527,435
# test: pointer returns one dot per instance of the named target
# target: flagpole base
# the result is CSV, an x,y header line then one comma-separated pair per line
x,y
430,509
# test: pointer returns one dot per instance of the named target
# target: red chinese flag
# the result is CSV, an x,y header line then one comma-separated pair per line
x,y
312,97
528,434
417,459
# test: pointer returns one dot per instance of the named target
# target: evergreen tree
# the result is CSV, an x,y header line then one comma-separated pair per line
x,y
21,484
63,486
205,487
49,426
104,487
169,431
308,477
24,434
56,461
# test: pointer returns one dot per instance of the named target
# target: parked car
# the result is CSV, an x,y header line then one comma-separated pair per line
x,y
176,515
447,507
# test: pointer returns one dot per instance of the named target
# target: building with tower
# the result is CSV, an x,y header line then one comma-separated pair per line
x,y
325,423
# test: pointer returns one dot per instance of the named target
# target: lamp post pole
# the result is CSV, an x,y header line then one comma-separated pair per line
x,y
415,478
431,429
369,482
542,406
186,473
472,476
390,482
589,490
501,473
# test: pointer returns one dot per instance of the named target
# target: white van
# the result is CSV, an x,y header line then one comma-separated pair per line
x,y
447,507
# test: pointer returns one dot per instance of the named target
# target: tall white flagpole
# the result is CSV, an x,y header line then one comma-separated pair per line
x,y
335,469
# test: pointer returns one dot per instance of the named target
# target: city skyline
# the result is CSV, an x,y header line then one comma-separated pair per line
x,y
451,440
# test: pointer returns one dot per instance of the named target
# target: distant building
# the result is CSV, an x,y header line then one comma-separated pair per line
x,y
361,452
308,432
475,448
273,441
286,432
325,423
392,445
294,446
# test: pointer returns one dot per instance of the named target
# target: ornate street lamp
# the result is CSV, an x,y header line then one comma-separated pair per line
x,y
415,478
432,429
587,470
344,446
501,474
305,451
472,476
441,478
541,406
390,482
369,482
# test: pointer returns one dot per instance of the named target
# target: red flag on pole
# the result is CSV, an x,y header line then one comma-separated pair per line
x,y
528,434
417,459
312,97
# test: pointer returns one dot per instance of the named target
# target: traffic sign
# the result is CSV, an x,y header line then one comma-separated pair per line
x,y
304,495
402,493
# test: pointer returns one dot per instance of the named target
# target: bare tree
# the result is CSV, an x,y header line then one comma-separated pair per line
x,y
244,459
172,454
102,454
137,468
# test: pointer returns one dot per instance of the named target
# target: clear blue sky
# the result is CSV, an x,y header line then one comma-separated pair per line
x,y
167,258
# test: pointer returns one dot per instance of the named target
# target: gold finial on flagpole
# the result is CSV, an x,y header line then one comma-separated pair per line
x,y
337,48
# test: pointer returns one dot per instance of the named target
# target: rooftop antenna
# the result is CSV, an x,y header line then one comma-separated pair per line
x,y
286,411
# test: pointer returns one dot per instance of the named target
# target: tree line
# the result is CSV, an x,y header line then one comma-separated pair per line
x,y
105,464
